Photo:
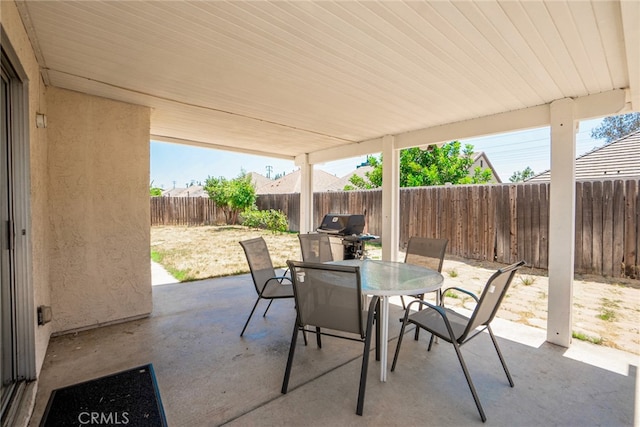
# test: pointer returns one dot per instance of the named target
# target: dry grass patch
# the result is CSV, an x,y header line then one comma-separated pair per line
x,y
194,253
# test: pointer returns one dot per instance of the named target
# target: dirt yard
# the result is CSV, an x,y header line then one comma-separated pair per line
x,y
606,311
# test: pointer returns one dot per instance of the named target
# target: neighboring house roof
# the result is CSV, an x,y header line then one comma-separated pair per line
x,y
339,184
199,191
481,160
290,183
193,191
259,180
618,159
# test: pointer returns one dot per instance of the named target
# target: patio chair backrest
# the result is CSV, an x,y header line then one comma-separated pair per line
x,y
315,247
259,260
329,296
491,297
426,252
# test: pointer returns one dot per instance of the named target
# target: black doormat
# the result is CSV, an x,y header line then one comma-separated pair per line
x,y
128,398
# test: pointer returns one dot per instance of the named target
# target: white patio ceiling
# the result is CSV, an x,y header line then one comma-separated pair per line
x,y
286,78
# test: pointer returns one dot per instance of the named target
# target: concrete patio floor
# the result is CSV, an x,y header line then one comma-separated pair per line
x,y
208,375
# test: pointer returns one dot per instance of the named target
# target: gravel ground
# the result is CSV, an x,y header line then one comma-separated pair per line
x,y
605,311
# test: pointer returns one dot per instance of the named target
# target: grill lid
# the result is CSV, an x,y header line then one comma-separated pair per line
x,y
342,224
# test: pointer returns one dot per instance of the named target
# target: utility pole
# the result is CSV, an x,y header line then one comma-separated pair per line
x,y
269,170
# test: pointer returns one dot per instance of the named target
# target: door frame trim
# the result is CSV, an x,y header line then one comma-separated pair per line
x,y
20,136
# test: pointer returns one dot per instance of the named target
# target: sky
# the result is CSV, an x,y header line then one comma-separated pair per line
x,y
177,165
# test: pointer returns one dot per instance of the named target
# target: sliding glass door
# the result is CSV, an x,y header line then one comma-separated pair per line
x,y
7,277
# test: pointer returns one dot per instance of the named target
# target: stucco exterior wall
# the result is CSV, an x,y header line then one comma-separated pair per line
x,y
98,153
38,232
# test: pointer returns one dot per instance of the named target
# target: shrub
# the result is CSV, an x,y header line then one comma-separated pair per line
x,y
273,220
232,196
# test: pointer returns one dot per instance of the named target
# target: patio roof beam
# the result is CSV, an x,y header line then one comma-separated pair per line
x,y
586,107
236,149
355,149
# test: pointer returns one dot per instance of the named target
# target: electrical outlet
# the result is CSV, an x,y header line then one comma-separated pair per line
x,y
44,314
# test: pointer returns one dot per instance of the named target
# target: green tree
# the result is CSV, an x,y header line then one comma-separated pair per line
x,y
450,163
154,191
519,176
232,196
615,127
372,179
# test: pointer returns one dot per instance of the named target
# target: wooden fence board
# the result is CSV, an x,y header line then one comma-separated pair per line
x,y
637,230
544,225
579,232
596,237
493,203
489,232
503,223
587,228
513,231
535,224
618,228
524,222
631,234
473,223
607,228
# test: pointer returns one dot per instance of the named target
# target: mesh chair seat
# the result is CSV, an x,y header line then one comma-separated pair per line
x,y
458,329
276,289
431,320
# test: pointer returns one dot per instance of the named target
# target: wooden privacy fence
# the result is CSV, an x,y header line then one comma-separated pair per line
x,y
190,211
503,222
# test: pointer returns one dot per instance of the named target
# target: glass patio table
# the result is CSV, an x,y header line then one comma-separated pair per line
x,y
389,278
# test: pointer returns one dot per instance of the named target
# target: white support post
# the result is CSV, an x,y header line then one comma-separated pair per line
x,y
562,222
390,199
306,193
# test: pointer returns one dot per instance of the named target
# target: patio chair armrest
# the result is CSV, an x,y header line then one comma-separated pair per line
x,y
279,279
439,309
464,291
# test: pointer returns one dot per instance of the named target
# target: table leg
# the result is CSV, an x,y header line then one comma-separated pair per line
x,y
384,319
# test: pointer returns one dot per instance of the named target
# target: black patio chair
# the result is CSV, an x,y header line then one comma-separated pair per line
x,y
315,247
268,284
458,329
330,296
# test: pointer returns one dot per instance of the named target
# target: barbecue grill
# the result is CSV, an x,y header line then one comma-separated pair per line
x,y
345,235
